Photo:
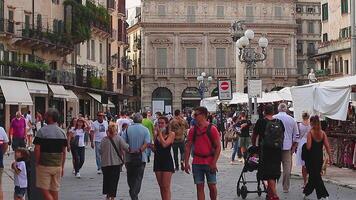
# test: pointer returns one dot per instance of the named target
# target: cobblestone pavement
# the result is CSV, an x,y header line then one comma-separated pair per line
x,y
89,187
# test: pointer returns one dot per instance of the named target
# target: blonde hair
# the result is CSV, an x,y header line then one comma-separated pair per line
x,y
112,127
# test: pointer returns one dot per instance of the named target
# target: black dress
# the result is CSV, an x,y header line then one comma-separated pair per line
x,y
269,167
314,163
163,161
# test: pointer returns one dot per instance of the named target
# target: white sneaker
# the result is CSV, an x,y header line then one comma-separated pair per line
x,y
77,175
99,171
73,172
306,197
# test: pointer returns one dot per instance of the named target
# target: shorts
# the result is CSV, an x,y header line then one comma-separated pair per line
x,y
20,192
245,142
48,178
202,171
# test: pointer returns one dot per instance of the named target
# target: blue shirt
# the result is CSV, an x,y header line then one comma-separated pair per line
x,y
136,136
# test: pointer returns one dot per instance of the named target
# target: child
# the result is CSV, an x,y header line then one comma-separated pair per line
x,y
20,173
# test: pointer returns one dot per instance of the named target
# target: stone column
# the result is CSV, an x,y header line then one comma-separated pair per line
x,y
292,51
240,72
176,50
206,55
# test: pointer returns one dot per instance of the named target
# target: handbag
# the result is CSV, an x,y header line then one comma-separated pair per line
x,y
75,141
116,149
136,157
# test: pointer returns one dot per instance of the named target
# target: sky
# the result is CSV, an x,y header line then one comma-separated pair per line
x,y
132,3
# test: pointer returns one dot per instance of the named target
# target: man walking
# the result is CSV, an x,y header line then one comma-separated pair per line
x,y
207,147
121,121
18,131
179,126
138,137
97,133
289,143
50,154
245,139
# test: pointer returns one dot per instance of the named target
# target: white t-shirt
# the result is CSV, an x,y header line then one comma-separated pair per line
x,y
3,136
81,134
99,130
121,122
20,179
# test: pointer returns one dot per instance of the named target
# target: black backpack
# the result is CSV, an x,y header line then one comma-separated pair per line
x,y
274,134
208,132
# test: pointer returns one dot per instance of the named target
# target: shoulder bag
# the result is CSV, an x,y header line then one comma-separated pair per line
x,y
116,149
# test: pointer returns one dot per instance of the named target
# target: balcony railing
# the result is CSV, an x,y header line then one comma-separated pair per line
x,y
188,72
273,72
7,70
7,26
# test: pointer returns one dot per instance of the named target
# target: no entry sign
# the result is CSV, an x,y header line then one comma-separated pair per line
x,y
225,89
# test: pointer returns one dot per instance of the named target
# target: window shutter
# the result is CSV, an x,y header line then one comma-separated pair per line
x,y
93,49
220,11
161,10
191,57
278,11
191,14
162,57
88,49
278,57
220,57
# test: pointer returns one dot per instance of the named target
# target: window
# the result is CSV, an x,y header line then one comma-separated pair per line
x,y
341,62
55,26
345,32
325,37
299,9
310,10
300,67
278,57
162,57
191,57
299,48
101,53
249,13
88,50
310,27
39,21
191,14
11,15
311,64
1,10
220,12
27,23
311,49
325,12
278,11
299,26
161,10
221,57
346,65
92,46
344,6
77,49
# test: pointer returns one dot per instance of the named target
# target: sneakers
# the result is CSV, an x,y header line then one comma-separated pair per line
x,y
306,197
77,175
325,198
73,172
98,172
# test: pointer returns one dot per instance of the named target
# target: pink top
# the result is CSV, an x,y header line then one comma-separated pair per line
x,y
19,127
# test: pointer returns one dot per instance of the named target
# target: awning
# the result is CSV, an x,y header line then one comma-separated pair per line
x,y
58,91
71,96
15,92
97,97
37,88
110,104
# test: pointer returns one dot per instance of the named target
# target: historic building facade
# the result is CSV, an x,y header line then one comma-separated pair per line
x,y
334,53
182,39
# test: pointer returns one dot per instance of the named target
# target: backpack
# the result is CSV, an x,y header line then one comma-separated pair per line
x,y
274,134
208,132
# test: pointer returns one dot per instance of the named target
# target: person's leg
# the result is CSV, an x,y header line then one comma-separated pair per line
x,y
236,146
200,191
181,150
272,191
106,180
54,195
305,175
166,183
213,191
75,151
320,189
97,155
47,195
131,173
139,177
175,155
211,179
115,173
287,166
81,154
159,181
309,187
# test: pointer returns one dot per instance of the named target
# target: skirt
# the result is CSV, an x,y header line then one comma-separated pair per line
x,y
299,161
111,176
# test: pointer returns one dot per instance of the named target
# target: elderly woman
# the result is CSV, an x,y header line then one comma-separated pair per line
x,y
112,147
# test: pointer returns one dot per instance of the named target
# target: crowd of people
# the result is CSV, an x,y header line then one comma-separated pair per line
x,y
128,142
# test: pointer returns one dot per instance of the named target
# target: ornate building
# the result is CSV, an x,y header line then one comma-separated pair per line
x,y
182,39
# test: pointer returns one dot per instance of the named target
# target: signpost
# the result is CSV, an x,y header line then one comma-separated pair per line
x,y
254,92
225,93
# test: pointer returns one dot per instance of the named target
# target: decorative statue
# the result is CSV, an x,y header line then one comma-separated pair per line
x,y
311,76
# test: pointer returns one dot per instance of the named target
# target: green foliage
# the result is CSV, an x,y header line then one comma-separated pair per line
x,y
27,65
96,82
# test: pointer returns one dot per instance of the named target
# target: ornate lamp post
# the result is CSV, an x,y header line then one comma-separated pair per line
x,y
203,84
248,54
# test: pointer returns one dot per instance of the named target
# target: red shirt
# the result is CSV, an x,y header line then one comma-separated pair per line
x,y
18,126
203,145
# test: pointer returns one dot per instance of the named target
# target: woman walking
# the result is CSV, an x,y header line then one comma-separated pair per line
x,y
314,159
304,128
163,162
70,133
112,160
78,146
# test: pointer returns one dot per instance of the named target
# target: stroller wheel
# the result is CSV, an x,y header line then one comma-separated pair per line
x,y
238,191
244,192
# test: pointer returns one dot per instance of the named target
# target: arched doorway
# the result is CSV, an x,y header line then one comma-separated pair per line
x,y
162,100
215,92
190,98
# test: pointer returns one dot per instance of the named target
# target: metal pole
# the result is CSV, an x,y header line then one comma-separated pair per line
x,y
249,68
353,38
222,125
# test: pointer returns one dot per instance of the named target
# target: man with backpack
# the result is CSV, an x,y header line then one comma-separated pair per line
x,y
204,144
289,143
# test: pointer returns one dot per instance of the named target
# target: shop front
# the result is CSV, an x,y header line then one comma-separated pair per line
x,y
57,100
190,98
39,94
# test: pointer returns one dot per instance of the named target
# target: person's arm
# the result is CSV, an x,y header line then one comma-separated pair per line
x,y
295,137
123,145
309,141
327,147
37,154
63,159
217,143
166,142
255,133
91,136
188,148
147,141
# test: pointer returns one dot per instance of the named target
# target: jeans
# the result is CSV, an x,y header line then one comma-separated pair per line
x,y
134,178
18,142
202,171
287,168
148,153
97,155
176,146
79,157
236,149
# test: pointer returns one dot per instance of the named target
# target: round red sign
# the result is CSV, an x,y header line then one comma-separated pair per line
x,y
224,85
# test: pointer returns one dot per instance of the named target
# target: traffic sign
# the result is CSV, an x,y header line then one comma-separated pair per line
x,y
225,89
254,88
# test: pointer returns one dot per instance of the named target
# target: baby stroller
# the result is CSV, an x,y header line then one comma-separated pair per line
x,y
251,164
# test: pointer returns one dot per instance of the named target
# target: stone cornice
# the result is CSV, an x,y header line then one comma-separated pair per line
x,y
214,25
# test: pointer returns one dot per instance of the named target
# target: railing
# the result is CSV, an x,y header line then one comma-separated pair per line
x,y
273,72
101,26
188,72
7,26
16,71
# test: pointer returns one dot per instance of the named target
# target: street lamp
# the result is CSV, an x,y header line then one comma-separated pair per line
x,y
248,54
203,84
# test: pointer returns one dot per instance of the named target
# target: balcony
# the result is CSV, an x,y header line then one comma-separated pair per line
x,y
334,45
15,70
137,44
101,29
114,62
114,35
111,6
37,38
188,72
274,73
121,7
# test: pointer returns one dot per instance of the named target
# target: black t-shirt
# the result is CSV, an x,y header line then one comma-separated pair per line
x,y
260,128
245,132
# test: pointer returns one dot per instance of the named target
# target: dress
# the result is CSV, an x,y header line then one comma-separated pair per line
x,y
303,135
314,164
163,160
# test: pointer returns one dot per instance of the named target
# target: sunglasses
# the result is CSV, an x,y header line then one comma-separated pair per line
x,y
197,114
